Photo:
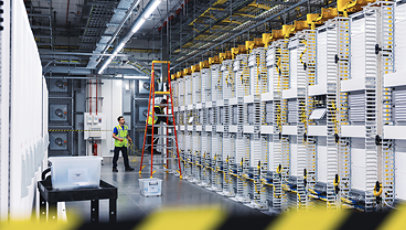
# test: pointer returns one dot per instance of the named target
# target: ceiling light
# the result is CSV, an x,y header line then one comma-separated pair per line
x,y
119,47
151,6
138,25
105,64
136,77
101,70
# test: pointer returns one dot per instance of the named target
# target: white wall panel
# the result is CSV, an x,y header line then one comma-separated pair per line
x,y
400,35
4,109
112,108
358,163
293,155
27,129
400,170
358,169
293,69
271,157
357,82
321,84
397,78
322,159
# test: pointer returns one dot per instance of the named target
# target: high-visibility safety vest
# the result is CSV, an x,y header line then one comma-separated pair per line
x,y
122,133
155,117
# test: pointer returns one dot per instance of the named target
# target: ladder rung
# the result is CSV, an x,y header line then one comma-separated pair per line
x,y
162,92
168,136
163,115
164,146
162,126
160,62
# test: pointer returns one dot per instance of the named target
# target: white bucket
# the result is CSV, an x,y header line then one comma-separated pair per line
x,y
150,186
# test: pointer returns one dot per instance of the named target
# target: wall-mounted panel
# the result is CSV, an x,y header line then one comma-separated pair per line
x,y
58,141
400,170
143,87
59,86
60,112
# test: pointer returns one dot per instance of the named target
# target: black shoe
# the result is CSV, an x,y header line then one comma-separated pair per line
x,y
129,169
115,170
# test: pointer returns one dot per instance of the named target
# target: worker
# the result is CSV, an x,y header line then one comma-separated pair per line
x,y
120,134
158,118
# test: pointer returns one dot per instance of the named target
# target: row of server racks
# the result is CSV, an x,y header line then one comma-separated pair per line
x,y
311,114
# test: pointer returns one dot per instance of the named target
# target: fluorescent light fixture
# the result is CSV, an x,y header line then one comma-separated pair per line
x,y
105,64
152,5
138,25
151,8
102,68
135,77
119,47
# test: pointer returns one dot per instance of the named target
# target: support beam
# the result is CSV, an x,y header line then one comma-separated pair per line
x,y
93,77
72,70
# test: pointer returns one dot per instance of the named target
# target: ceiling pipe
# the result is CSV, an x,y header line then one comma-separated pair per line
x,y
144,15
98,56
67,11
76,70
80,54
104,77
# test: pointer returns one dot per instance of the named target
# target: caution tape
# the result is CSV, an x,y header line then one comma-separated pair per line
x,y
215,217
78,130
85,130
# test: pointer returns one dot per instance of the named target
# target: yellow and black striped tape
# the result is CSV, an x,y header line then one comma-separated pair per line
x,y
78,130
83,130
201,218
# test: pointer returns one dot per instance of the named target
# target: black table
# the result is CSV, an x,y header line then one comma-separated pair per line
x,y
104,191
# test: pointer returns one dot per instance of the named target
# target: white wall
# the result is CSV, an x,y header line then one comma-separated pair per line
x,y
112,92
4,109
28,133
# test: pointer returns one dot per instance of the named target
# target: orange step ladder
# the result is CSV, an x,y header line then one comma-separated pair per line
x,y
151,105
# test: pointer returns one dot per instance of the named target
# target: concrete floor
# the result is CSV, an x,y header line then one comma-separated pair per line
x,y
131,204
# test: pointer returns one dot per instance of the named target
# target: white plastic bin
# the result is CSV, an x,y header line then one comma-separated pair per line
x,y
150,187
75,172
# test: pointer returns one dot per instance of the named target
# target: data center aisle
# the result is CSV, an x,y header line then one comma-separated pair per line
x,y
131,204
